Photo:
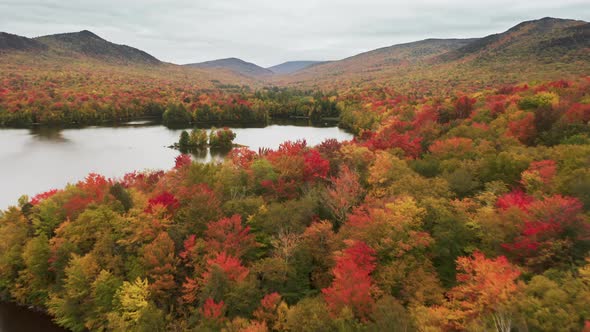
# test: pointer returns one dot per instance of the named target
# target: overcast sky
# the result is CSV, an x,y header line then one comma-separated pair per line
x,y
269,32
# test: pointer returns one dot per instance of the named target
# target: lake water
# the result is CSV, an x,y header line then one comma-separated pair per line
x,y
36,160
18,319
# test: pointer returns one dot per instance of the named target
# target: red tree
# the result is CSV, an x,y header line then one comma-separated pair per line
x,y
553,226
352,281
230,236
231,266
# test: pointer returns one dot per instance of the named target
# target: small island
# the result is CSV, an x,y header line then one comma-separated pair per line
x,y
198,139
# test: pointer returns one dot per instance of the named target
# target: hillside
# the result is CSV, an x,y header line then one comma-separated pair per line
x,y
88,44
234,64
290,67
547,37
10,42
401,55
547,48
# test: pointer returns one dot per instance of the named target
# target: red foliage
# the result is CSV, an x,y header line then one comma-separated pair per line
x,y
166,200
396,134
552,225
43,196
545,169
93,189
329,147
266,312
229,236
516,199
454,145
181,161
189,244
524,129
213,311
352,281
464,106
315,166
242,157
231,266
142,181
578,113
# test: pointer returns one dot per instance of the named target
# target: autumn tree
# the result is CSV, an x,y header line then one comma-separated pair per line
x,y
344,193
160,262
352,283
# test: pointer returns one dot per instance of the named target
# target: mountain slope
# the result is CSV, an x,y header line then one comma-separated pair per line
x,y
235,65
293,66
546,49
541,38
88,44
10,42
401,55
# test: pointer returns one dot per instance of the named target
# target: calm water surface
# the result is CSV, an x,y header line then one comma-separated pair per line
x,y
18,319
36,160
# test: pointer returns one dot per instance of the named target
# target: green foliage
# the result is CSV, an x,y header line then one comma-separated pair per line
x,y
175,115
221,138
122,195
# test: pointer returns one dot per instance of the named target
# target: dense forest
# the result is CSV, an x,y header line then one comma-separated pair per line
x,y
78,97
467,210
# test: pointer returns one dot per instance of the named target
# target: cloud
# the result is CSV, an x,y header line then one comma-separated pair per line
x,y
272,31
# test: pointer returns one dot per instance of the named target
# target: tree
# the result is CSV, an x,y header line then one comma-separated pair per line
x,y
176,114
71,307
352,283
160,262
230,236
464,106
554,231
122,195
344,193
310,314
184,140
487,287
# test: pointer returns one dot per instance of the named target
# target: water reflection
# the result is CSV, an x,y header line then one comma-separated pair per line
x,y
36,160
18,319
48,134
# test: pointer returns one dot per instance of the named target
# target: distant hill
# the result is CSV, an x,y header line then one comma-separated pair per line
x,y
88,44
10,42
235,65
293,66
547,48
539,38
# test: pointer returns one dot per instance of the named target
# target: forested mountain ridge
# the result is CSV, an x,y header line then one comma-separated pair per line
x,y
547,48
234,64
89,44
293,66
10,42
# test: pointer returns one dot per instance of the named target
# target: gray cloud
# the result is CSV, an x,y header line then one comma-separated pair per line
x,y
268,32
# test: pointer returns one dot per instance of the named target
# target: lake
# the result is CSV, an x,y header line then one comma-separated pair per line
x,y
19,319
36,160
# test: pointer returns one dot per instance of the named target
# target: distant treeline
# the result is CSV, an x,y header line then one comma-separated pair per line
x,y
203,106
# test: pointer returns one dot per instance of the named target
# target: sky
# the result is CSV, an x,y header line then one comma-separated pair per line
x,y
269,32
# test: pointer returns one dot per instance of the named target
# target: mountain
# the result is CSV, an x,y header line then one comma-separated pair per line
x,y
546,37
235,65
293,66
10,42
548,48
88,44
